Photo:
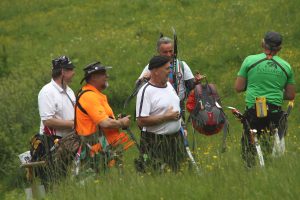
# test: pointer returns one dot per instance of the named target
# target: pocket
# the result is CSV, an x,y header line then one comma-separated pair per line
x,y
261,107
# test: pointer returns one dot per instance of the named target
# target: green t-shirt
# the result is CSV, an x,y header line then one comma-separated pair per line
x,y
266,79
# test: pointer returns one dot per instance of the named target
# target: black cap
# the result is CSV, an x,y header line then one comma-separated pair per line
x,y
272,40
158,61
92,68
62,62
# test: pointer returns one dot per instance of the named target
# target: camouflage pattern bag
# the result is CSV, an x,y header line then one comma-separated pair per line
x,y
67,147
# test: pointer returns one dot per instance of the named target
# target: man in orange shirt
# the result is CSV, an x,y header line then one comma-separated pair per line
x,y
94,119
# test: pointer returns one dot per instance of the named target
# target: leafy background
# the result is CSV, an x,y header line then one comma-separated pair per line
x,y
214,38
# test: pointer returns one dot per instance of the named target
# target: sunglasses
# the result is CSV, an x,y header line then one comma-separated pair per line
x,y
61,61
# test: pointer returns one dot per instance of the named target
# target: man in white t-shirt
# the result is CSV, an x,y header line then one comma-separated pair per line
x,y
56,100
185,80
158,116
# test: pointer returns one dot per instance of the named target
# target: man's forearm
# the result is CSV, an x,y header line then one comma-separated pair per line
x,y
111,123
289,92
151,120
240,84
59,123
287,96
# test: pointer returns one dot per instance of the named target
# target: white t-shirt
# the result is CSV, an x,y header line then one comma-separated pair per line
x,y
152,100
187,74
54,103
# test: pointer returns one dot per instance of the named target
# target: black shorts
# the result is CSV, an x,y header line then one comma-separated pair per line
x,y
273,119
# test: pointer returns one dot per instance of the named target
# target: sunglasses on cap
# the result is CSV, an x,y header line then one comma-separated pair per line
x,y
62,62
92,68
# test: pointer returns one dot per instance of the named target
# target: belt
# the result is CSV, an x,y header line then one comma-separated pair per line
x,y
271,107
150,134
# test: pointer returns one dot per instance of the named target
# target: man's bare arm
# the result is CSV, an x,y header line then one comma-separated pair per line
x,y
169,115
240,84
58,123
289,92
113,123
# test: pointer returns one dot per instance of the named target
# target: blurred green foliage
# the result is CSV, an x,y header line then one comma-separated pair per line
x,y
214,37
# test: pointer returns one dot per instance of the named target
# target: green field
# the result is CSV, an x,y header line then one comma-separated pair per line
x,y
214,37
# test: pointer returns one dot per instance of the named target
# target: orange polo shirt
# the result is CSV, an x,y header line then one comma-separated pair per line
x,y
96,105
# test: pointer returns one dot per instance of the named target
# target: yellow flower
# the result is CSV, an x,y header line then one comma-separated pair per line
x,y
215,157
209,167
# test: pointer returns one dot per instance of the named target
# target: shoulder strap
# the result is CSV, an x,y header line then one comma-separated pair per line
x,y
69,98
284,71
209,89
256,63
182,67
174,74
225,133
198,94
77,104
65,91
206,93
142,99
77,101
178,68
198,91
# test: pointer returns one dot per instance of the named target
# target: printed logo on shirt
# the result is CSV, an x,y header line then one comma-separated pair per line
x,y
272,64
270,68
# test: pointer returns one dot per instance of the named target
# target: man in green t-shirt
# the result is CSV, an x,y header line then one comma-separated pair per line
x,y
269,76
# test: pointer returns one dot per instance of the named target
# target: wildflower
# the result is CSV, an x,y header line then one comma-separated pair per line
x,y
209,167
